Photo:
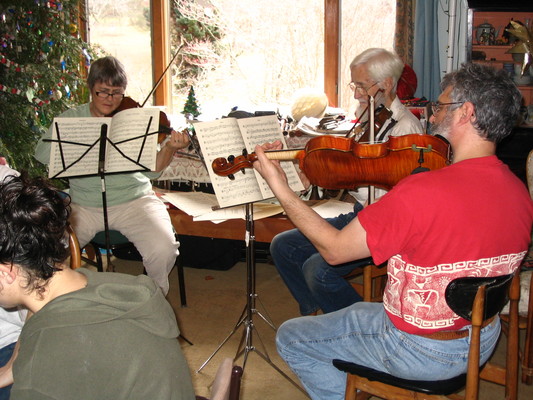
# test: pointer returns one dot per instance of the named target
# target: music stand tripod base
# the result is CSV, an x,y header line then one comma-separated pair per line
x,y
246,318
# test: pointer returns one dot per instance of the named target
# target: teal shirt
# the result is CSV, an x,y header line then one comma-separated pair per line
x,y
87,191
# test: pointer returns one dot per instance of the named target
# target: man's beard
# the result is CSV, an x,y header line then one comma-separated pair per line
x,y
443,128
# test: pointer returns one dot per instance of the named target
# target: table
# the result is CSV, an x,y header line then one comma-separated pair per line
x,y
264,231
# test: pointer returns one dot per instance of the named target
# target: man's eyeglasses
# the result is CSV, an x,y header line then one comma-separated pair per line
x,y
360,88
105,95
436,105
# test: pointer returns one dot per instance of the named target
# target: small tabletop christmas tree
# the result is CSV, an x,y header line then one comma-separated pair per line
x,y
191,106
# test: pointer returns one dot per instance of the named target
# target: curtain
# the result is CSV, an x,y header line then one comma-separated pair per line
x,y
426,60
404,31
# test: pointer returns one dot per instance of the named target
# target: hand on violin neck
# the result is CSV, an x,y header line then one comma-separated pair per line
x,y
177,140
270,170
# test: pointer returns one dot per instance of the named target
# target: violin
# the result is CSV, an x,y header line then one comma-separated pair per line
x,y
338,163
361,132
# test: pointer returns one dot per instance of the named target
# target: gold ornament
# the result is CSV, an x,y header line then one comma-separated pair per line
x,y
523,46
73,29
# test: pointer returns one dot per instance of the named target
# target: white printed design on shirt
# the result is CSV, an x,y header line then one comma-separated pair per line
x,y
416,294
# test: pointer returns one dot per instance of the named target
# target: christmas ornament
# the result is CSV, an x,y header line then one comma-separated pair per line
x,y
73,29
57,95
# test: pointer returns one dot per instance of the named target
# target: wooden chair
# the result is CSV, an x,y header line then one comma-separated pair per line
x,y
374,279
527,352
75,251
475,299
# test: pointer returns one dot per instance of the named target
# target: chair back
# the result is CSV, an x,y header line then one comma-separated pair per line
x,y
529,172
461,292
75,251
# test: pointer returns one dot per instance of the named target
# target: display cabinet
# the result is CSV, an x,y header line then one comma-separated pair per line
x,y
489,43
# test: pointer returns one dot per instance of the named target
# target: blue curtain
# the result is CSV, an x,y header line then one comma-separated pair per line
x,y
426,60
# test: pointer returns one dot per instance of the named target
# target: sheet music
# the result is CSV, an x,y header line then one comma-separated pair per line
x,y
229,136
201,207
332,208
75,149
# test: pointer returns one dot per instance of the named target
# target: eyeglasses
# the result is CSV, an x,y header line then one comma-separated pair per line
x,y
360,88
105,95
436,105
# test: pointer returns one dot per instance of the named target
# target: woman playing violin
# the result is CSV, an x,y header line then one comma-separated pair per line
x,y
133,208
313,282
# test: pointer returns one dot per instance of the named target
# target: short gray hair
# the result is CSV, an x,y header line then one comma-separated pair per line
x,y
108,70
495,97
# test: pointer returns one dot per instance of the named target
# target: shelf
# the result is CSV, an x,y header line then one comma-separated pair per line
x,y
491,47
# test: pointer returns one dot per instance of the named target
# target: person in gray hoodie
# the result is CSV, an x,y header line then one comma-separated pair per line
x,y
92,335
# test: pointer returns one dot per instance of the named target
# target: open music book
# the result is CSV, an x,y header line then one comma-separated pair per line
x,y
229,136
130,146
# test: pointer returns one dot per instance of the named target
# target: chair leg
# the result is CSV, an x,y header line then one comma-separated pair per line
x,y
181,282
527,360
99,262
185,339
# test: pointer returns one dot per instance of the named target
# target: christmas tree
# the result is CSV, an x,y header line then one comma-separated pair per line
x,y
43,65
191,106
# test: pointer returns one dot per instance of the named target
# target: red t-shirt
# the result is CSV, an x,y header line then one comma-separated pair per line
x,y
472,218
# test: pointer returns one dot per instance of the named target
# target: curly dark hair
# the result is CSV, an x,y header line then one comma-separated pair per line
x,y
33,222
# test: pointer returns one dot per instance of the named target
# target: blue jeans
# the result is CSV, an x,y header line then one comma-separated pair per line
x,y
363,334
5,355
313,282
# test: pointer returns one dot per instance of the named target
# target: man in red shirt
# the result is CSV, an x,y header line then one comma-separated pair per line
x,y
432,227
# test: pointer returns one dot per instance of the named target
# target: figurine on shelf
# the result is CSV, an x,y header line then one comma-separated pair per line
x,y
485,34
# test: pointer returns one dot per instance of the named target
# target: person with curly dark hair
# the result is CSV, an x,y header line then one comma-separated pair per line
x,y
91,335
11,321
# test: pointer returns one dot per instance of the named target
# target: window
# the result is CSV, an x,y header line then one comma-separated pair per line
x,y
122,29
364,24
268,50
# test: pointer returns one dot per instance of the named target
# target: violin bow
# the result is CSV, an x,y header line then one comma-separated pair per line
x,y
162,75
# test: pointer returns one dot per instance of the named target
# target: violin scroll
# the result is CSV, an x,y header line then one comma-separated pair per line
x,y
229,166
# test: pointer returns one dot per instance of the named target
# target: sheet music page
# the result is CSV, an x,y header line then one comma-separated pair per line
x,y
78,150
332,208
74,156
192,203
133,123
222,138
229,136
260,130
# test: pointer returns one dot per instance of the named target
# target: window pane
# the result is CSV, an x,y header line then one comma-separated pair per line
x,y
270,48
121,28
364,24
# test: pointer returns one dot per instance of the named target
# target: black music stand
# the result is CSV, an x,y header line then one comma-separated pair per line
x,y
246,345
102,141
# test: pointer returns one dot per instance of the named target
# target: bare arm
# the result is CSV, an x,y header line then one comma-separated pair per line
x,y
6,371
335,246
176,141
